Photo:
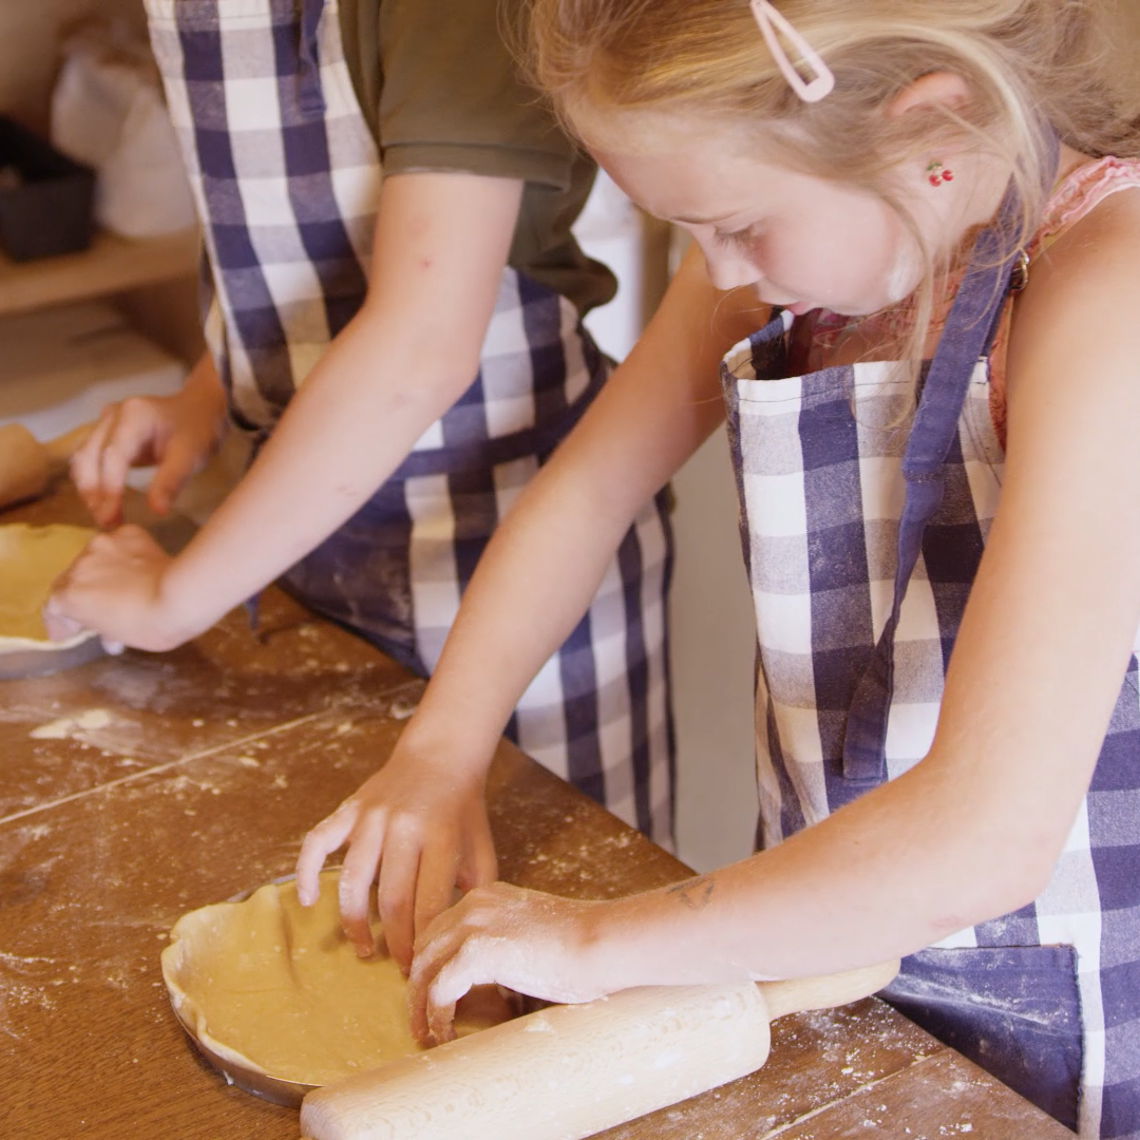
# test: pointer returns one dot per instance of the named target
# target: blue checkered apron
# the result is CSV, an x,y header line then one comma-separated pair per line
x,y
287,178
862,541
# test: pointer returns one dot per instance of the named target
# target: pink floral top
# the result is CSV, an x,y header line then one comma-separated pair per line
x,y
1074,199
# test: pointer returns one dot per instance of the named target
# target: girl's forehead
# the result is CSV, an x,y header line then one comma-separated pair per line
x,y
689,177
655,139
647,132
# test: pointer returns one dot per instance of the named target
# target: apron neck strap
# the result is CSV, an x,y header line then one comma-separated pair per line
x,y
310,96
965,340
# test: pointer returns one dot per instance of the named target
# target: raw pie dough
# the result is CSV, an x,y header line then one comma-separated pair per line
x,y
31,558
276,988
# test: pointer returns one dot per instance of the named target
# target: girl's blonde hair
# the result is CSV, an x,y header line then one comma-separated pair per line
x,y
1033,67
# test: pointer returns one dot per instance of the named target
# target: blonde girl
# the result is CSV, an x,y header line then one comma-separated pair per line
x,y
934,430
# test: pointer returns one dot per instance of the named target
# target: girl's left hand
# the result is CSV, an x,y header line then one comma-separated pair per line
x,y
533,943
115,588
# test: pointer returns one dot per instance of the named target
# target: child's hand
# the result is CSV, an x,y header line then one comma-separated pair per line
x,y
425,825
115,588
530,942
177,433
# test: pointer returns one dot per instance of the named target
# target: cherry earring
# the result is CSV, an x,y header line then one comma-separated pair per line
x,y
938,174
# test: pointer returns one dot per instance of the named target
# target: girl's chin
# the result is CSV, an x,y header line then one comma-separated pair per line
x,y
855,310
800,308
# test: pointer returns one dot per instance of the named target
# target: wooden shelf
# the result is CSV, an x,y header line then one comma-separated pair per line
x,y
112,265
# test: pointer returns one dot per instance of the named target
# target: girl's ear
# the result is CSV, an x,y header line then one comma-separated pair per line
x,y
947,88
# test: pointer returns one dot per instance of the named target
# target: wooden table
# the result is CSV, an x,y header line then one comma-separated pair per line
x,y
136,788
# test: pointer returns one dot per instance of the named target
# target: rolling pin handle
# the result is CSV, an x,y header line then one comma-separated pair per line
x,y
797,995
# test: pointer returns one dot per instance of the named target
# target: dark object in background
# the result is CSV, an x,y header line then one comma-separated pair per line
x,y
48,210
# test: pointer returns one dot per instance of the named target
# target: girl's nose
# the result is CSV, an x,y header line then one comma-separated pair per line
x,y
728,268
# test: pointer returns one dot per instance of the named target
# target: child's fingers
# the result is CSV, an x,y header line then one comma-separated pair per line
x,y
55,612
354,889
395,894
478,863
130,539
58,625
440,1012
435,888
328,836
181,460
123,436
431,1006
126,442
86,463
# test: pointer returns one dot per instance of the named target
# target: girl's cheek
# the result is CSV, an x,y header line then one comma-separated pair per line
x,y
900,268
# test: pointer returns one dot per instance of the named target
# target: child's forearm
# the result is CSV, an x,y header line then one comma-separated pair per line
x,y
826,900
440,245
345,431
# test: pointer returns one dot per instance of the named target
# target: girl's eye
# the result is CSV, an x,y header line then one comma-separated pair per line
x,y
737,239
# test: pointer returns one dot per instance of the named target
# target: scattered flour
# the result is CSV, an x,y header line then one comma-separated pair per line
x,y
63,728
401,710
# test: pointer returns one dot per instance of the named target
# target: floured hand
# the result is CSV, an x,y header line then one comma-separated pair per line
x,y
523,940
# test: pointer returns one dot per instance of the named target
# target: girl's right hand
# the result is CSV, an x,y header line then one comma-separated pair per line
x,y
527,941
424,823
178,433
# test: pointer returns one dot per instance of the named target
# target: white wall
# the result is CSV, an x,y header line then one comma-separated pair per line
x,y
713,651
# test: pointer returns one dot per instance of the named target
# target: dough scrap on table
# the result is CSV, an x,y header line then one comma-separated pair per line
x,y
276,988
31,558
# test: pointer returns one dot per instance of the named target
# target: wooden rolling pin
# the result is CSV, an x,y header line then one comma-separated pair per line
x,y
569,1071
28,468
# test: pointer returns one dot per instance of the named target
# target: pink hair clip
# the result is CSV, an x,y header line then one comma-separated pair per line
x,y
770,22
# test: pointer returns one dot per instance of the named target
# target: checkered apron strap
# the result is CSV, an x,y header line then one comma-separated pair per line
x,y
286,176
966,338
310,95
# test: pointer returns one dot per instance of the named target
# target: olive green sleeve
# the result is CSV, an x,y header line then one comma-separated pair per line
x,y
452,98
